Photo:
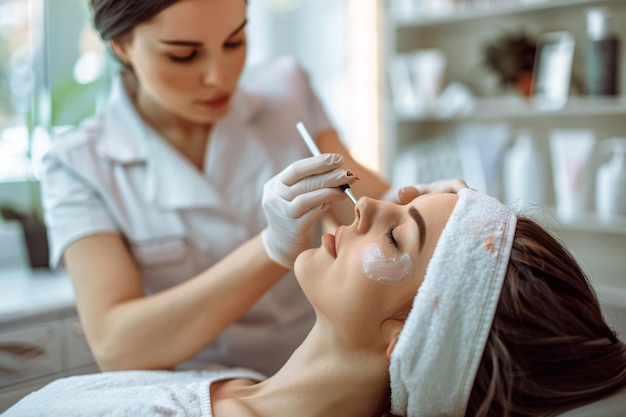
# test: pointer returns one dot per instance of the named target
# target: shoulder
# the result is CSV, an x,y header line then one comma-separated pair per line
x,y
282,77
75,143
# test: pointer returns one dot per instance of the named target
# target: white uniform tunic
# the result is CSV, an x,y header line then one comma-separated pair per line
x,y
115,174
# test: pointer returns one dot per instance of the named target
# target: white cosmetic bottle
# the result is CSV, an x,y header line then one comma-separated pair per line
x,y
611,183
524,171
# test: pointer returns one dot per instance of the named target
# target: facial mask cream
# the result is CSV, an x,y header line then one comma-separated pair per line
x,y
380,268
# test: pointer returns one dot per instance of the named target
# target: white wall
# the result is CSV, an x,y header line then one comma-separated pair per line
x,y
315,33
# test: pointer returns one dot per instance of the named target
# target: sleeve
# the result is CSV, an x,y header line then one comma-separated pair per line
x,y
315,110
72,209
288,94
317,119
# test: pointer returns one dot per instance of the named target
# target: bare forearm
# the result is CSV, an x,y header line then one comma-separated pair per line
x,y
167,328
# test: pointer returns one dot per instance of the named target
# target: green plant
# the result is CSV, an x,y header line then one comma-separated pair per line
x,y
510,56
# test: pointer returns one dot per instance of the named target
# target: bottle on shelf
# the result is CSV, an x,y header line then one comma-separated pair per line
x,y
611,183
603,52
525,171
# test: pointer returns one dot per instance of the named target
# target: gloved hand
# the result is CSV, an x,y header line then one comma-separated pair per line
x,y
295,199
407,194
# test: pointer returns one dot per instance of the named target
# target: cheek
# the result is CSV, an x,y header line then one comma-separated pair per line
x,y
167,82
161,75
237,62
381,268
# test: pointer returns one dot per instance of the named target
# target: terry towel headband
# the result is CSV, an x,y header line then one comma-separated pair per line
x,y
435,360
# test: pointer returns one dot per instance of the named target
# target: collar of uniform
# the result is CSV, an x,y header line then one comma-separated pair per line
x,y
124,136
246,104
172,182
175,183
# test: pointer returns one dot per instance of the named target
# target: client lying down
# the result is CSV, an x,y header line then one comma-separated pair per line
x,y
447,306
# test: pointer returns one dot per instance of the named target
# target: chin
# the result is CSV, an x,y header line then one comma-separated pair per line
x,y
303,263
300,264
206,117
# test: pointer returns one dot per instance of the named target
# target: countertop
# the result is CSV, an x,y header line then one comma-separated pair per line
x,y
27,294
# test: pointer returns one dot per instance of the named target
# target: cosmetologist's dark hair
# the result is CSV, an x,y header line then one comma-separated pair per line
x,y
113,18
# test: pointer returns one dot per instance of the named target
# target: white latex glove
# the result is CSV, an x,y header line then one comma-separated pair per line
x,y
407,194
295,199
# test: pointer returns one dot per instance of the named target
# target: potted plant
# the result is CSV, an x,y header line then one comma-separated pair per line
x,y
511,56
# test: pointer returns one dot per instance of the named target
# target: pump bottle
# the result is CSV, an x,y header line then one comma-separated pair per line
x,y
524,171
611,183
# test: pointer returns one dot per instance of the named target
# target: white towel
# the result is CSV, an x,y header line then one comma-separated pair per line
x,y
435,360
127,394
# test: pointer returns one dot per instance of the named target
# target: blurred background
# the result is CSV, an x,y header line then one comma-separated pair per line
x,y
524,99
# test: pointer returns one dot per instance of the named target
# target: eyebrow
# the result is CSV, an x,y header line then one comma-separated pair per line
x,y
421,225
194,43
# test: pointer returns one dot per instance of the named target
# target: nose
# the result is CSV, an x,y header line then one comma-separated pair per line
x,y
364,213
215,72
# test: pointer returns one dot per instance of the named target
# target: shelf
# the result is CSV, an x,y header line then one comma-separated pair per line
x,y
518,108
506,8
460,35
589,223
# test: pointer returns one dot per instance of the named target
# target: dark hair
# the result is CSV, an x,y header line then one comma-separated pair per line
x,y
113,18
550,349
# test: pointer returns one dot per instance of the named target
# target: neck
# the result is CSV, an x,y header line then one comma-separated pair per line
x,y
321,380
188,138
176,130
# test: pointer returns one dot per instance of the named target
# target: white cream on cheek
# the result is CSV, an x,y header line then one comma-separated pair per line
x,y
378,267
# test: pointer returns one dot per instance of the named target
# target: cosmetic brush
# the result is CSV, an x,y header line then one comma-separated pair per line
x,y
310,143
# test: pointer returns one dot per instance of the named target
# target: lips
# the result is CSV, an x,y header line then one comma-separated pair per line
x,y
331,242
216,102
328,241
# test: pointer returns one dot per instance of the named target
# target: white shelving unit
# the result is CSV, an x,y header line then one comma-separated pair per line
x,y
589,223
495,9
513,107
461,34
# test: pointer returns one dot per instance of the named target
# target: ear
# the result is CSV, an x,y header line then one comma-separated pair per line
x,y
394,327
120,50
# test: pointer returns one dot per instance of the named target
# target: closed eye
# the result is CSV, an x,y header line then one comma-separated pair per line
x,y
392,240
234,44
185,58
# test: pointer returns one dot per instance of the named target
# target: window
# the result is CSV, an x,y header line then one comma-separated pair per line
x,y
17,81
52,74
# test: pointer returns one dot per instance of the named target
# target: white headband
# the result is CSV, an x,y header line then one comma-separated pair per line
x,y
435,360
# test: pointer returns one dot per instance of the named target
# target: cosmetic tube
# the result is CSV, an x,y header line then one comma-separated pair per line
x,y
571,152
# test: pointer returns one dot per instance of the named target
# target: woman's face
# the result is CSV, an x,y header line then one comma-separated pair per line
x,y
369,272
188,58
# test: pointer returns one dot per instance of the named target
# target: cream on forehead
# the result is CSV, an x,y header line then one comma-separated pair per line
x,y
380,268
